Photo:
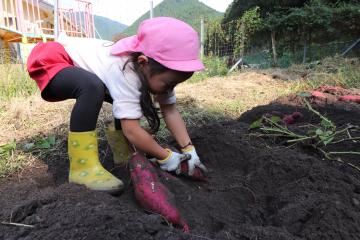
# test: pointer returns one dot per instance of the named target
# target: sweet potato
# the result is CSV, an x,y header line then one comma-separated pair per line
x,y
197,175
331,89
296,115
318,94
151,193
288,119
350,98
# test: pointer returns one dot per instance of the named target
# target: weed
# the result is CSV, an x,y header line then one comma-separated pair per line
x,y
9,161
15,82
318,136
14,157
215,66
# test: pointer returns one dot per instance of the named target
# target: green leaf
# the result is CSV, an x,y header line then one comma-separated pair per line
x,y
51,140
319,132
43,144
304,94
256,124
329,140
326,124
275,119
6,149
328,133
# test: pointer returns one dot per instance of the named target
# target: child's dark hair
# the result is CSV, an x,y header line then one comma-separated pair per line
x,y
146,103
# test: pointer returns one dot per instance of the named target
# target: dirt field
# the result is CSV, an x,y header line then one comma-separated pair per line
x,y
258,188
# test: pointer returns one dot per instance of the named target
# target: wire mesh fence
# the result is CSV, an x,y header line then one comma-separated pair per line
x,y
224,41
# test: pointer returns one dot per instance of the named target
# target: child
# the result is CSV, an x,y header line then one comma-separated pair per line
x,y
163,54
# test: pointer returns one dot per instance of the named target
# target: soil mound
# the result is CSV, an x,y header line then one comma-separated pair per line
x,y
256,190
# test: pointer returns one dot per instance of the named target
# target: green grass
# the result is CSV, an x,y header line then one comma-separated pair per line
x,y
215,66
15,82
10,160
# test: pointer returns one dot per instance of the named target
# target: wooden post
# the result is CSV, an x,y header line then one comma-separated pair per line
x,y
305,51
273,43
243,37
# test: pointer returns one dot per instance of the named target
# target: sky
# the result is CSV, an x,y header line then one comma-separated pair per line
x,y
127,11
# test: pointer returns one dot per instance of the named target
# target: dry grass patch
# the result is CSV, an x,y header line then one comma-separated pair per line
x,y
234,94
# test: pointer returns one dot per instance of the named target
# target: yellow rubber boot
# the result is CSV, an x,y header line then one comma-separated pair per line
x,y
119,146
85,167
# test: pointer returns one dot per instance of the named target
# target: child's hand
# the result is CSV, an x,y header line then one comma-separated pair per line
x,y
172,161
194,160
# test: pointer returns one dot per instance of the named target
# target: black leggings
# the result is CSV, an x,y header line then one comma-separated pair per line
x,y
89,92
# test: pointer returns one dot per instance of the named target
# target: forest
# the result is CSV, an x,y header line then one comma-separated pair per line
x,y
286,27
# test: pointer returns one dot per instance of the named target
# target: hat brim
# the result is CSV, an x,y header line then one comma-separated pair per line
x,y
125,45
183,66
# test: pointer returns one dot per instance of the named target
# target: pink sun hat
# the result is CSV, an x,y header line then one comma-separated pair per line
x,y
169,41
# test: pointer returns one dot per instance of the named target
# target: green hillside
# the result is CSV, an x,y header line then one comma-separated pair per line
x,y
107,28
189,11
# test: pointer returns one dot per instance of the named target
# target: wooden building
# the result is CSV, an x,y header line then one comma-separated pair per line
x,y
26,22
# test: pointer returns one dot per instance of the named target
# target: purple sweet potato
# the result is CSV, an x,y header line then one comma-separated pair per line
x,y
197,175
350,98
290,119
318,94
151,193
297,115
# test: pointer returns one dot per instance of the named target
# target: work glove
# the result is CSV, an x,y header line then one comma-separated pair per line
x,y
172,161
194,161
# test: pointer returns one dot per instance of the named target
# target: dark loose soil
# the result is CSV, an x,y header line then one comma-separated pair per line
x,y
257,189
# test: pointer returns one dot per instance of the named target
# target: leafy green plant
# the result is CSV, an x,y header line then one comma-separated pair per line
x,y
44,143
9,160
7,150
317,136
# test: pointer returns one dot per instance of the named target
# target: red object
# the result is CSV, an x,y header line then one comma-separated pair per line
x,y
45,61
288,119
151,193
297,115
197,175
350,98
330,89
318,94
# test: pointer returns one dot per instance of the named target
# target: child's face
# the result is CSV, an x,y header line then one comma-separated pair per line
x,y
164,82
161,82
